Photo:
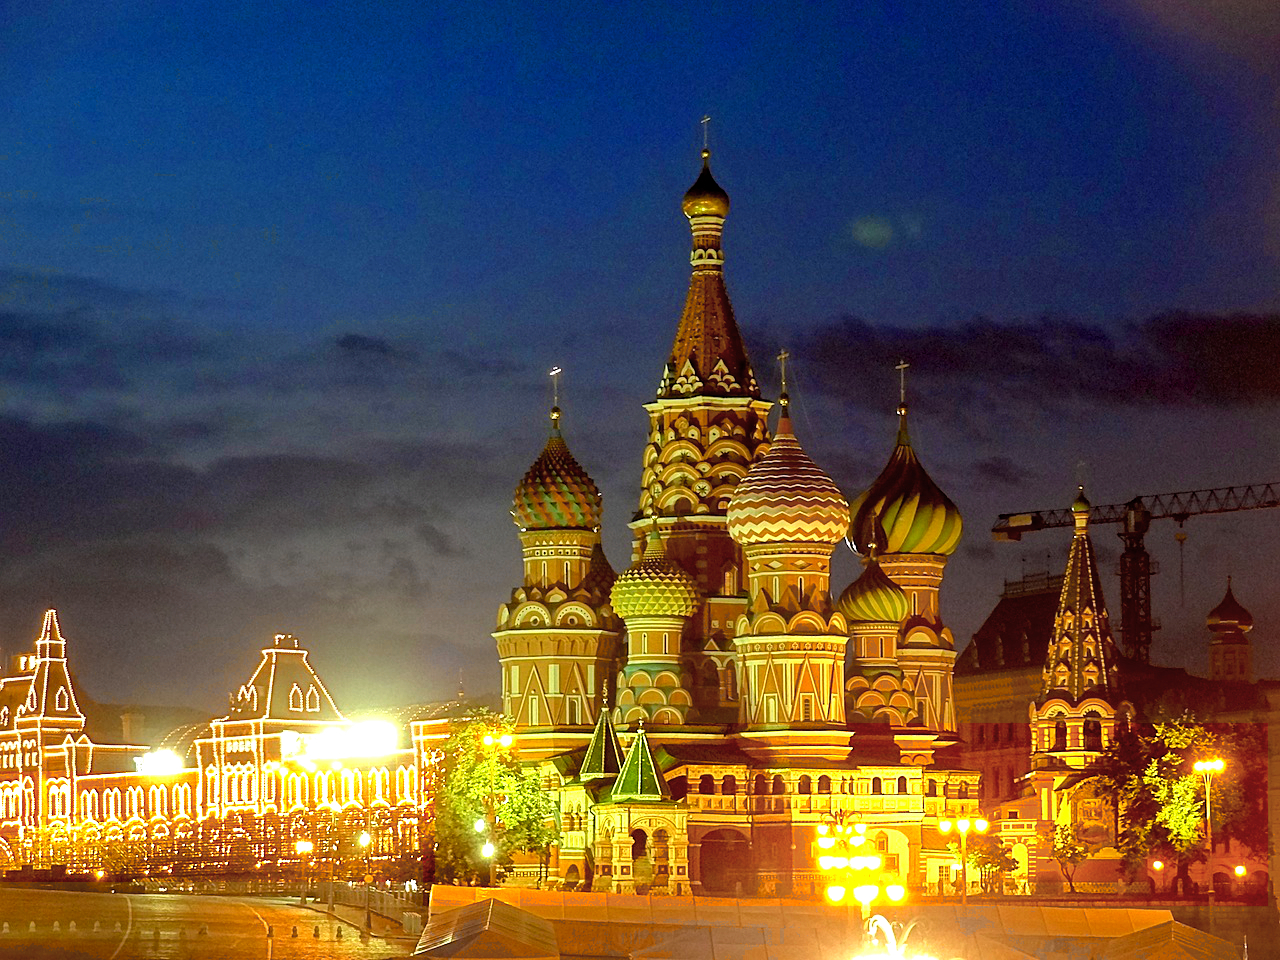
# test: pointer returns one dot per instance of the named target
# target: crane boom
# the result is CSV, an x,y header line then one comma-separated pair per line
x,y
1179,506
1136,624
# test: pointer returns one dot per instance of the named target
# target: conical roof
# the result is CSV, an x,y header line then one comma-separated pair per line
x,y
556,493
1229,615
604,753
640,778
786,498
654,586
1082,656
917,516
708,357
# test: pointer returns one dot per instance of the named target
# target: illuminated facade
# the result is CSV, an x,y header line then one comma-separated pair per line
x,y
694,714
231,797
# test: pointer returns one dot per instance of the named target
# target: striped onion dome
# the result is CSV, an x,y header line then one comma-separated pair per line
x,y
917,516
873,598
654,586
556,493
786,498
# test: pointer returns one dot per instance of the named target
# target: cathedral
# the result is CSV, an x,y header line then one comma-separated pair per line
x,y
699,715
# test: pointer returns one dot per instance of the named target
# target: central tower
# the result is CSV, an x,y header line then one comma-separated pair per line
x,y
707,425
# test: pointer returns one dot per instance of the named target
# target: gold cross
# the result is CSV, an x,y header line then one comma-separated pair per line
x,y
783,357
706,132
555,385
902,380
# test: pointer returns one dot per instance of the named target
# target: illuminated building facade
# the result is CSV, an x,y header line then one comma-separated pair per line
x,y
694,714
230,797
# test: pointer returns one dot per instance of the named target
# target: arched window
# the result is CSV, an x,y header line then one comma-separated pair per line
x,y
729,785
639,844
706,784
313,700
778,786
61,701
1093,733
295,698
760,785
806,784
932,789
877,786
824,784
902,784
1059,735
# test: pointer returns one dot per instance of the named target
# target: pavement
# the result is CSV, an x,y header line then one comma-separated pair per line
x,y
384,928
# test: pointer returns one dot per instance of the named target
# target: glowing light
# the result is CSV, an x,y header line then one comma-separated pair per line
x,y
823,829
505,740
158,763
99,874
487,850
963,825
1239,871
488,739
826,843
865,893
896,892
944,826
858,840
369,738
480,825
365,839
1216,765
981,825
835,893
860,827
303,847
824,862
1157,865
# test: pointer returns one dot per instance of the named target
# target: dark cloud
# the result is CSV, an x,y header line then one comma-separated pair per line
x,y
360,345
1001,469
440,543
1169,359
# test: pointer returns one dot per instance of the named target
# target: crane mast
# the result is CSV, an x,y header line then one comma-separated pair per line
x,y
1135,516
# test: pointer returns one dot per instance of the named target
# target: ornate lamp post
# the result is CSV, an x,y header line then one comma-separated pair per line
x,y
1207,769
853,871
489,825
304,848
1158,867
962,827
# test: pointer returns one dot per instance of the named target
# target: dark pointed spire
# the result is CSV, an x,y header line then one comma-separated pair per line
x,y
640,778
604,753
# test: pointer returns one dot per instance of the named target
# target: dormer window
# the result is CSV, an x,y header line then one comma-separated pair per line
x,y
313,700
295,698
31,700
4,717
61,701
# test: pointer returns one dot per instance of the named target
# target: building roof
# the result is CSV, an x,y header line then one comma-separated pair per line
x,y
284,687
640,779
556,493
604,754
917,516
873,598
654,586
1016,633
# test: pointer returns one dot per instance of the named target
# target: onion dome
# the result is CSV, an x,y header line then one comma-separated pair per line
x,y
917,516
654,586
1229,615
873,598
1081,505
786,498
706,198
556,493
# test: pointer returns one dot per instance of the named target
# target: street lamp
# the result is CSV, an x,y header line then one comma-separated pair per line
x,y
1158,867
1207,769
962,827
854,871
365,840
489,823
304,848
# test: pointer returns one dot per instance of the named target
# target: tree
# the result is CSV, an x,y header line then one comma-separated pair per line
x,y
991,859
1068,848
481,781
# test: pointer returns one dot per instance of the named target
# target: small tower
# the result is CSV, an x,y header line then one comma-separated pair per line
x,y
922,529
1230,653
788,515
557,637
1074,717
654,597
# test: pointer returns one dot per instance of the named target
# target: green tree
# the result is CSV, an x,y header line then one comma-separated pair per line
x,y
1068,848
484,781
992,860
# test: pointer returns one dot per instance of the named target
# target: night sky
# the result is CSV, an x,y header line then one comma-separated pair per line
x,y
280,285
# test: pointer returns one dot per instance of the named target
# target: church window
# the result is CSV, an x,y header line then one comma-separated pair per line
x,y
1059,735
295,698
806,784
877,785
515,678
571,711
666,643
806,709
770,709
534,717
4,717
313,700
779,786
902,784
824,784
1093,734
706,784
729,586
932,789
729,785
553,678
61,701
566,573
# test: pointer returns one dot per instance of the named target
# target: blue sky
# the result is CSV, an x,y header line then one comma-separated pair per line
x,y
279,285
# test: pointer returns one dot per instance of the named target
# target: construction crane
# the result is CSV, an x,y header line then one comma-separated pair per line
x,y
1136,625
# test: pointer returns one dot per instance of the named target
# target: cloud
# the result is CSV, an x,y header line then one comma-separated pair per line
x,y
1001,470
1169,359
359,345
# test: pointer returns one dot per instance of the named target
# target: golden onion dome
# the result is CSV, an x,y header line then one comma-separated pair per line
x,y
873,598
654,586
917,516
706,198
556,493
1081,503
1229,615
786,498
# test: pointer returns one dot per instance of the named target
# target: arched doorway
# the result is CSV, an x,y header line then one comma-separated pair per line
x,y
641,860
725,862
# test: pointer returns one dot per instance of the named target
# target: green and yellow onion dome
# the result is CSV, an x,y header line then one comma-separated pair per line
x,y
786,498
654,586
556,493
1229,614
706,198
917,516
873,598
